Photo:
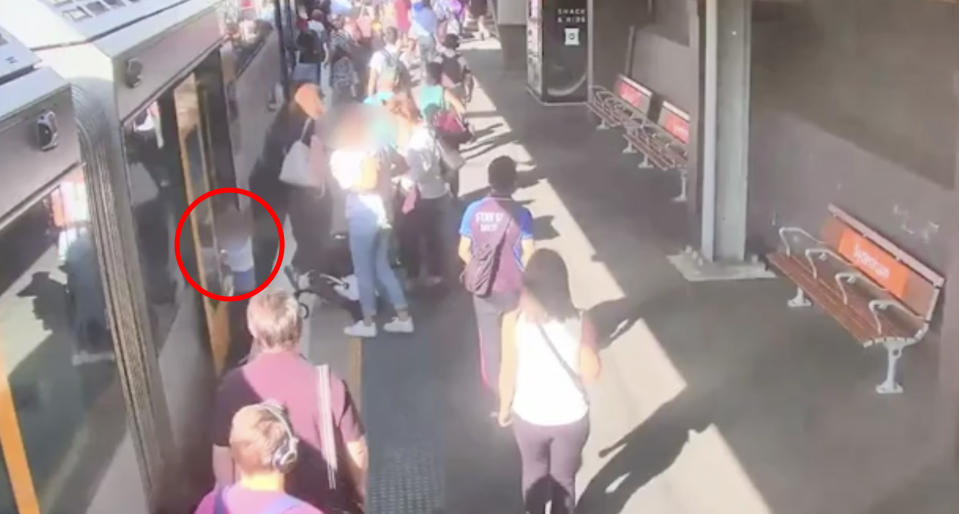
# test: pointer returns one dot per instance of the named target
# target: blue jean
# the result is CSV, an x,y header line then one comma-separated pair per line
x,y
369,249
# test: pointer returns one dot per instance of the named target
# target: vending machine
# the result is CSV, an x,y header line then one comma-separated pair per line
x,y
557,51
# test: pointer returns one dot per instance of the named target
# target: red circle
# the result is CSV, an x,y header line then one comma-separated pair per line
x,y
179,229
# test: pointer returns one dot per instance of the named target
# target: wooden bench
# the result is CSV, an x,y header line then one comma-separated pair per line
x,y
627,101
663,143
874,289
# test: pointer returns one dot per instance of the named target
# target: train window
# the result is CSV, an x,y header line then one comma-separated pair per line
x,y
158,199
246,26
57,351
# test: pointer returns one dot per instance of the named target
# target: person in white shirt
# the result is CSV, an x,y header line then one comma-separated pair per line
x,y
386,69
424,189
358,168
548,353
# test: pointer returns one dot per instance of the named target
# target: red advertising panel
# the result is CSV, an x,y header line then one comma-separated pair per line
x,y
675,121
633,93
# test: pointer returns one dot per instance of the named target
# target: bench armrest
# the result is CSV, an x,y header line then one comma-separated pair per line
x,y
877,306
794,230
822,252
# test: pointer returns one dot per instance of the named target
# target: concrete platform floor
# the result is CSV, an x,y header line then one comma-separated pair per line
x,y
714,398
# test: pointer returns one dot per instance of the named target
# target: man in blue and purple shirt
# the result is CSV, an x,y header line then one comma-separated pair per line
x,y
484,222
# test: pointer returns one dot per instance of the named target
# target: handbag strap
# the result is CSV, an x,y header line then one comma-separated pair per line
x,y
326,429
573,376
306,128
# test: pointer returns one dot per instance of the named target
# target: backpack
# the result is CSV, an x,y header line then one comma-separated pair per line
x,y
480,272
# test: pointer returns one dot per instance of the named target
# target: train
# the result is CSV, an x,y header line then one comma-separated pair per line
x,y
115,115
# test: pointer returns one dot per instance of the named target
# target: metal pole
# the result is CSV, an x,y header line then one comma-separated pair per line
x,y
711,41
590,14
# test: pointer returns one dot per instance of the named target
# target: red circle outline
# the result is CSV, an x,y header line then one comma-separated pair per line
x,y
179,229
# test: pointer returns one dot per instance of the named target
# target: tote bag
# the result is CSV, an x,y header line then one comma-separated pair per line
x,y
297,169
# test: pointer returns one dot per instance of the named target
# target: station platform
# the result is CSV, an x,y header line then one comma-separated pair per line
x,y
714,397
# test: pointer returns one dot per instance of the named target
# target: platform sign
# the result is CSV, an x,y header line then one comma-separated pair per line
x,y
558,32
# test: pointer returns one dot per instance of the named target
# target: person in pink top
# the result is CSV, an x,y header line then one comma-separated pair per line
x,y
402,10
264,450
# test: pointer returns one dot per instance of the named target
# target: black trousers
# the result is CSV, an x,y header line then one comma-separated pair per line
x,y
489,321
421,231
310,219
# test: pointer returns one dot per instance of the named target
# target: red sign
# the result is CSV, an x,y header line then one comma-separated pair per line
x,y
874,262
633,94
675,121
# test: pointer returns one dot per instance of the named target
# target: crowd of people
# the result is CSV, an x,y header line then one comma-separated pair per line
x,y
371,162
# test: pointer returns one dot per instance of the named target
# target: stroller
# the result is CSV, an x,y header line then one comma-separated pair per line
x,y
334,285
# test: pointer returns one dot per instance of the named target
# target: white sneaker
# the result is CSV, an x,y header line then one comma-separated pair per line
x,y
360,329
399,326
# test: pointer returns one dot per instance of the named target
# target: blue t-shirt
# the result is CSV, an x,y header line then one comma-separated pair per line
x,y
482,223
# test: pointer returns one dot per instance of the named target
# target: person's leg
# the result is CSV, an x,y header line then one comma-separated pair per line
x,y
362,253
387,278
432,230
533,442
488,317
565,458
406,232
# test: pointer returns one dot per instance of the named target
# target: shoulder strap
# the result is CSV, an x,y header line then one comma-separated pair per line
x,y
577,381
306,128
219,501
326,428
281,505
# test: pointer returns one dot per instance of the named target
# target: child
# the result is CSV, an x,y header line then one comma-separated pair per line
x,y
235,240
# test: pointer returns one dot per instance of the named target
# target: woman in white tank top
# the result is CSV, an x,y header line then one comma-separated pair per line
x,y
548,353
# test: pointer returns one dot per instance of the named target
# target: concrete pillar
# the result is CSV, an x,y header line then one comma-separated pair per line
x,y
510,19
725,148
725,191
949,342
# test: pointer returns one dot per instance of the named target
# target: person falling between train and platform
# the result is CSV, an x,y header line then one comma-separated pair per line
x,y
235,239
496,240
548,354
264,450
331,471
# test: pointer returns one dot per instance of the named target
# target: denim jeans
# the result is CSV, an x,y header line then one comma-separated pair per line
x,y
369,248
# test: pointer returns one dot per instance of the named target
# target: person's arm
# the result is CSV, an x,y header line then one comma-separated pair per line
x,y
455,103
589,364
507,370
351,429
358,466
528,244
465,250
374,75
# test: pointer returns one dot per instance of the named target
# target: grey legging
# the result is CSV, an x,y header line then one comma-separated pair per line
x,y
551,456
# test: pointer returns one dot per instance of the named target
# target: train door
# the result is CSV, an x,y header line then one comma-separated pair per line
x,y
197,160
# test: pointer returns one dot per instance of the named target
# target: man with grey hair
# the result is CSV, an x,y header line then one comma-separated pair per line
x,y
331,471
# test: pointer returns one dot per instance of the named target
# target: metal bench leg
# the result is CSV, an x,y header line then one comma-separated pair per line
x,y
894,349
681,197
799,301
630,149
602,125
645,164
